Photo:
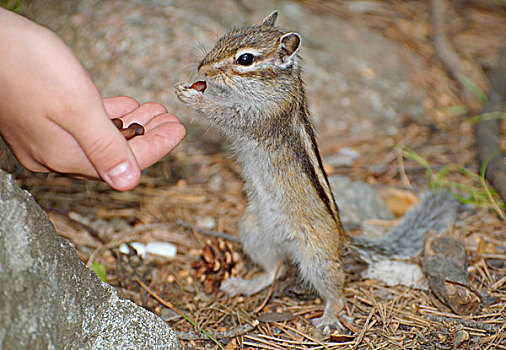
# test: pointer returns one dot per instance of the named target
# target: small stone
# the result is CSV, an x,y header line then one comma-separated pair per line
x,y
207,222
345,157
461,337
169,315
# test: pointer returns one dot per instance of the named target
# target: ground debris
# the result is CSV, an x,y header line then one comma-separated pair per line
x,y
445,266
215,265
200,180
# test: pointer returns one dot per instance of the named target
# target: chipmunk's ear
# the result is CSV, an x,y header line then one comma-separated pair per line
x,y
287,48
270,20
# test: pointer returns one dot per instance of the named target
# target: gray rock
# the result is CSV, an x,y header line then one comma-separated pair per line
x,y
357,201
346,156
50,300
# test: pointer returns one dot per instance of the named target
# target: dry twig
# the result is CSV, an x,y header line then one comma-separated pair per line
x,y
208,232
487,131
467,323
245,328
461,69
180,313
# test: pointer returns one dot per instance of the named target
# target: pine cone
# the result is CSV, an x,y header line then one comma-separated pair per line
x,y
215,265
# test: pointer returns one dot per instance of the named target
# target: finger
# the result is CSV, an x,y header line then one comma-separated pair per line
x,y
117,107
164,133
161,119
105,147
144,113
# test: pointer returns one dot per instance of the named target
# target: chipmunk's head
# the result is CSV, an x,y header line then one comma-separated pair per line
x,y
257,64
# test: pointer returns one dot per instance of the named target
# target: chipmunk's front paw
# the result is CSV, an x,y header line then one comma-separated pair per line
x,y
187,94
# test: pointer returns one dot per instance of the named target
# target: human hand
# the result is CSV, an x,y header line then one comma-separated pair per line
x,y
162,131
53,117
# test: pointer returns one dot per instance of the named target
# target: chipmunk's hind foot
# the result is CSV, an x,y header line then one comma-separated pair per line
x,y
329,320
327,323
234,286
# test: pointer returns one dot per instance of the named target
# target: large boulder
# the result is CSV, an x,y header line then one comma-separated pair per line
x,y
50,300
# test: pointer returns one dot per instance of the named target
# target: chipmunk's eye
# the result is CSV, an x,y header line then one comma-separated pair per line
x,y
245,59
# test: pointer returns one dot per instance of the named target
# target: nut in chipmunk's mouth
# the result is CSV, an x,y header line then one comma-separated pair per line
x,y
214,90
200,86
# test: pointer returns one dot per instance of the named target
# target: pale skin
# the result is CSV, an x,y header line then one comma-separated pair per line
x,y
54,119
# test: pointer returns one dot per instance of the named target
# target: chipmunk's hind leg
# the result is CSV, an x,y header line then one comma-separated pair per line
x,y
264,253
323,270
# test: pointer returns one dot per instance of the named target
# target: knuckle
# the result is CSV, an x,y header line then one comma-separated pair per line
x,y
36,165
100,148
50,160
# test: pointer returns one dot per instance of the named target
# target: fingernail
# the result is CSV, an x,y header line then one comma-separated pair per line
x,y
122,176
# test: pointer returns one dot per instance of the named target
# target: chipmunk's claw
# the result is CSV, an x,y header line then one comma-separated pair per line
x,y
326,324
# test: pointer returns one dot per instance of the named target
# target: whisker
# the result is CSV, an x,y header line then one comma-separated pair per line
x,y
213,34
190,68
201,47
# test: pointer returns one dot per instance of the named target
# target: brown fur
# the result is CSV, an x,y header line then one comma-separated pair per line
x,y
262,110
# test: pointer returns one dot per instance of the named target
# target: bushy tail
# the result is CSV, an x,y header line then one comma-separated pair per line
x,y
435,212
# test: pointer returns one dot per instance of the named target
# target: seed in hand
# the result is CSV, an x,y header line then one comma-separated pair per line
x,y
128,133
133,129
118,123
138,128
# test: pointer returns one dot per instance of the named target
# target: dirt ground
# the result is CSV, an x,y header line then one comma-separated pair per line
x,y
198,189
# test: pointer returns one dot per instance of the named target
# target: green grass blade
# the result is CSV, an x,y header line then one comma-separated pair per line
x,y
471,86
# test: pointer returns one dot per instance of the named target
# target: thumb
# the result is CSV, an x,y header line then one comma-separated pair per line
x,y
109,153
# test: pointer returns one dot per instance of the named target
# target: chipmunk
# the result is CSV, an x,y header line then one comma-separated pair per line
x,y
255,97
